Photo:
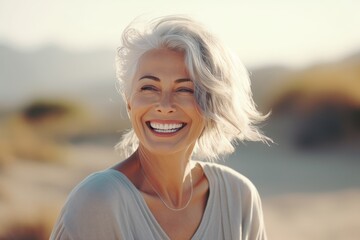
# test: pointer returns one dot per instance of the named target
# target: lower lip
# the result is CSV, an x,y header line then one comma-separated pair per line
x,y
164,134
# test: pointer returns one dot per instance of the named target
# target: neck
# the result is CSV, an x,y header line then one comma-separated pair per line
x,y
169,175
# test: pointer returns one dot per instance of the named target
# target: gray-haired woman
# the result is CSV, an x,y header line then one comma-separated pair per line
x,y
187,98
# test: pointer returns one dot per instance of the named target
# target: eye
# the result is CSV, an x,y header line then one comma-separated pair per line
x,y
148,88
185,90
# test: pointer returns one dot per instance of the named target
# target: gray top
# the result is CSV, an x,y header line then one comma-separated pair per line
x,y
106,205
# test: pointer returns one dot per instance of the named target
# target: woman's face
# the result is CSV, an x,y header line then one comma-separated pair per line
x,y
162,106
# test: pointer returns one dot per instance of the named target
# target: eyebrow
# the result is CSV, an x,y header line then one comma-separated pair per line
x,y
180,80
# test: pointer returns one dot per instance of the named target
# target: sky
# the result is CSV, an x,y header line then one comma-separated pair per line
x,y
262,32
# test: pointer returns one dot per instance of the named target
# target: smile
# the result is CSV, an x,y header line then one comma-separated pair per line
x,y
165,128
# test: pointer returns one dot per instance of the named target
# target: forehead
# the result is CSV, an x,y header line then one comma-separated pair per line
x,y
162,61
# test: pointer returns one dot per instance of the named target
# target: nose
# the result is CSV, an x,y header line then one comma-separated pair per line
x,y
165,104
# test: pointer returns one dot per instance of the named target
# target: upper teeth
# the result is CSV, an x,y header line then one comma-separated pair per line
x,y
166,127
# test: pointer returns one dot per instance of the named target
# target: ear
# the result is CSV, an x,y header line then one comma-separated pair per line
x,y
128,109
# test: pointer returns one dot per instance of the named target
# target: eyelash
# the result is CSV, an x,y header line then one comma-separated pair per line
x,y
148,88
153,88
187,90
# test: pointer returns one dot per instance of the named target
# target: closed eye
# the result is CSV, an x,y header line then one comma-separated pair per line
x,y
148,88
185,90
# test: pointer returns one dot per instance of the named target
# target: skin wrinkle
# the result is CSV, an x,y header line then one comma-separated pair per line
x,y
221,81
156,95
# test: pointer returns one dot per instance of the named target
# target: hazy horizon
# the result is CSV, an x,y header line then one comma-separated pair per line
x,y
262,33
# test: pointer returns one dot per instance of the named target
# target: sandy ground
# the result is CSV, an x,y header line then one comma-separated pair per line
x,y
32,194
320,216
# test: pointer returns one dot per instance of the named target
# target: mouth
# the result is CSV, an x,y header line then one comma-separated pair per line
x,y
165,127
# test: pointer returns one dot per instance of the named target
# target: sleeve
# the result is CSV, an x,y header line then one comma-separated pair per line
x,y
90,213
59,232
253,227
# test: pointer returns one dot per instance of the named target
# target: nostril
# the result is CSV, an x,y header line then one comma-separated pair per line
x,y
165,108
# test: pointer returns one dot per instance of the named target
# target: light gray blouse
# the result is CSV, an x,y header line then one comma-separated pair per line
x,y
106,205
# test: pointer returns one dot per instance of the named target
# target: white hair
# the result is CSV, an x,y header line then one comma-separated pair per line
x,y
222,85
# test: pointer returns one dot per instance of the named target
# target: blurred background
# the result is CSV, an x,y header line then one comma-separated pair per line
x,y
60,113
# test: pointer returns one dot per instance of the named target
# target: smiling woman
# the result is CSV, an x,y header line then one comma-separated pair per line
x,y
161,104
187,97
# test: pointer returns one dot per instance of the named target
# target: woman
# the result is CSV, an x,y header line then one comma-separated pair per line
x,y
187,97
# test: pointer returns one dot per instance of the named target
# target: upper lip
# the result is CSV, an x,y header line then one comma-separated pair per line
x,y
166,121
166,124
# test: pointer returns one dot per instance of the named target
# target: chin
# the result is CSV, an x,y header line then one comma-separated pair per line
x,y
166,148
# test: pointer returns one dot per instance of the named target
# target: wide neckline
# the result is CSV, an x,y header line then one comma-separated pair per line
x,y
146,210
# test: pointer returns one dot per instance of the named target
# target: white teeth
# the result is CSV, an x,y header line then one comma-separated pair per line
x,y
166,128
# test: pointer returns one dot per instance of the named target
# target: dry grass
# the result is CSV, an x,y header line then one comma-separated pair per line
x,y
309,87
38,167
32,194
40,130
275,86
19,140
25,232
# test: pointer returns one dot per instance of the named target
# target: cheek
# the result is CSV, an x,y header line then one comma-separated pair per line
x,y
192,104
135,108
200,122
199,116
138,102
195,112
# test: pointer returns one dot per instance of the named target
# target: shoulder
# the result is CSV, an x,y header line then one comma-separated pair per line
x,y
92,206
97,183
230,179
225,172
98,196
99,187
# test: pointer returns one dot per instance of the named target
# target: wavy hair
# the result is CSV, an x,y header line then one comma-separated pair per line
x,y
222,85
